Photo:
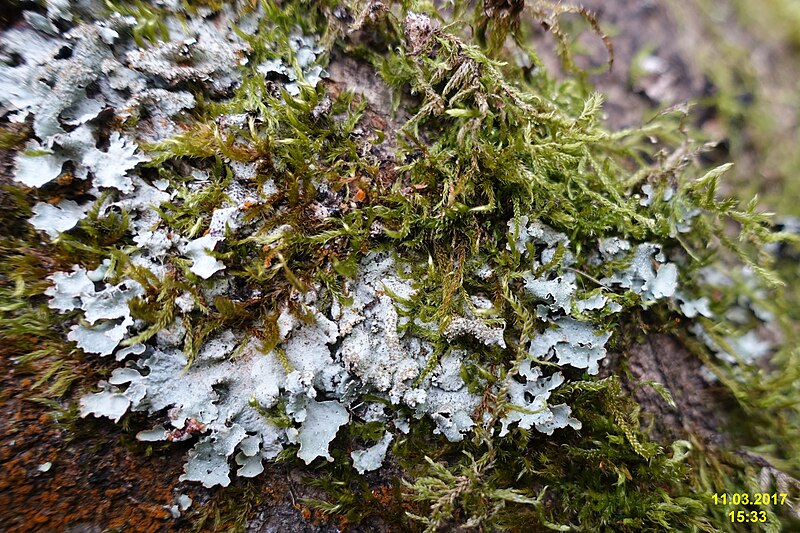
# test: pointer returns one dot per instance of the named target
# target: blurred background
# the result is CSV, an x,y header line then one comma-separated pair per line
x,y
736,61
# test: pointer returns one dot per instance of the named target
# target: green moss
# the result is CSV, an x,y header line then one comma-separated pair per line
x,y
487,142
149,27
13,136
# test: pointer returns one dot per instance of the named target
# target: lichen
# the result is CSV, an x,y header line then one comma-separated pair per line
x,y
55,219
372,457
319,424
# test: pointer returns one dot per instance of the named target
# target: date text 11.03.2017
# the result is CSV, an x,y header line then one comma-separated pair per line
x,y
749,499
749,516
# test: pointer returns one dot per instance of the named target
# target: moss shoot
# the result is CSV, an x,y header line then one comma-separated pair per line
x,y
485,225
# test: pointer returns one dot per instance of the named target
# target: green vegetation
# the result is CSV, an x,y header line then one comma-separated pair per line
x,y
486,143
149,25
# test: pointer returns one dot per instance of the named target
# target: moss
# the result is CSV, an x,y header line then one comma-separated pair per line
x,y
13,136
231,510
475,171
486,143
149,26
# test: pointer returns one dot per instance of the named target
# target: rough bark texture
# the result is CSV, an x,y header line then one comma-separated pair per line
x,y
699,406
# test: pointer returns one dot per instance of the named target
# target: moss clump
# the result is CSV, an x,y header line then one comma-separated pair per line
x,y
491,155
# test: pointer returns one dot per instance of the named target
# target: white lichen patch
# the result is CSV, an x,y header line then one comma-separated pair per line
x,y
477,329
204,264
319,425
109,403
208,462
528,402
371,458
557,293
372,349
305,51
111,302
694,307
101,339
110,168
374,353
452,411
216,397
106,313
572,343
37,166
206,59
643,279
68,288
